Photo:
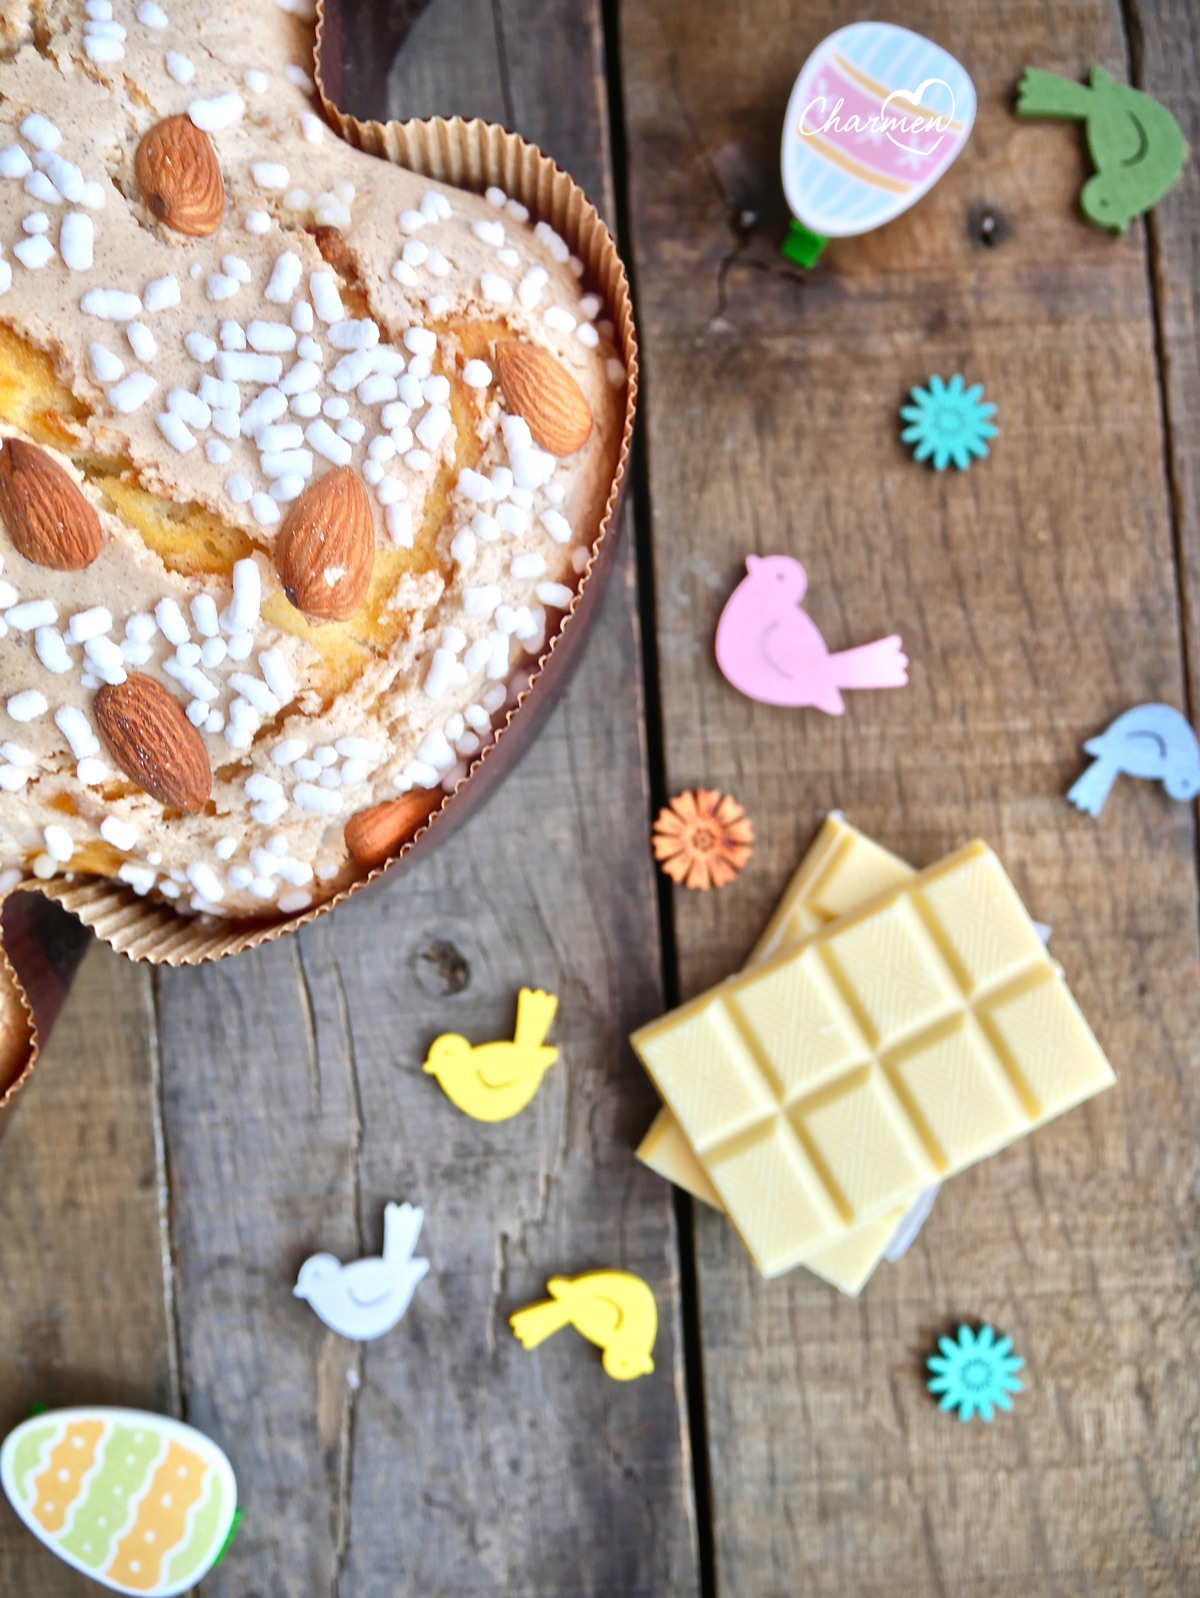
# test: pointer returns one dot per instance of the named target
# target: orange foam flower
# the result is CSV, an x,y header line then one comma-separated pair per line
x,y
702,839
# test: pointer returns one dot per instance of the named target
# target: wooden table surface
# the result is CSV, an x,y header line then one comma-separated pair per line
x,y
190,1136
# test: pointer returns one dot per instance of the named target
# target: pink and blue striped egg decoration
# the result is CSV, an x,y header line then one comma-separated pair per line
x,y
875,118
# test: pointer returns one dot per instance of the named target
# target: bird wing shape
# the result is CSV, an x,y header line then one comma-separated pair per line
x,y
595,1316
1146,753
1131,130
606,1306
1141,141
1147,743
369,1282
1117,135
792,646
501,1066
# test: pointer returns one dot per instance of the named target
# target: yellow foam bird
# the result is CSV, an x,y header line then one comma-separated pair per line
x,y
495,1081
612,1309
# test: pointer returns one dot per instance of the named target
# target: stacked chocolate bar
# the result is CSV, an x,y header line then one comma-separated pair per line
x,y
891,1028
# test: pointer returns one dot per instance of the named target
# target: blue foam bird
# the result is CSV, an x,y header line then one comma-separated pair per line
x,y
1151,741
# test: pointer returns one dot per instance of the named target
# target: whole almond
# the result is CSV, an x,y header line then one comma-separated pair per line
x,y
540,389
375,835
153,742
326,548
180,177
42,507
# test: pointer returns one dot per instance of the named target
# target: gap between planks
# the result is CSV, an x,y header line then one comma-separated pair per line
x,y
638,519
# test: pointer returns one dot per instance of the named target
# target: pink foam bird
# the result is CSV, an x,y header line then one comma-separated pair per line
x,y
770,650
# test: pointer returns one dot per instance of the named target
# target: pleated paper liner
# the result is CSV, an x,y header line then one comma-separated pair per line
x,y
468,155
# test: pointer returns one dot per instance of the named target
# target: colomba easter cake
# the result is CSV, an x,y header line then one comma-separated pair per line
x,y
301,459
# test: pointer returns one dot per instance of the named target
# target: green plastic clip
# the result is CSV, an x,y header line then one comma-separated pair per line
x,y
802,245
234,1525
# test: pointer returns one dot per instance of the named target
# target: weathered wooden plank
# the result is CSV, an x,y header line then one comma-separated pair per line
x,y
369,42
1165,52
443,1458
459,1459
518,1473
84,1314
451,64
1037,597
261,1117
534,65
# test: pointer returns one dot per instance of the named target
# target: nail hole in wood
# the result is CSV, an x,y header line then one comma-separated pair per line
x,y
987,227
442,970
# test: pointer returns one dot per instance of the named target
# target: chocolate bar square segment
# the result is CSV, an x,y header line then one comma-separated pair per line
x,y
849,1260
982,928
864,1145
773,1196
957,1093
842,872
708,1075
858,872
799,1027
1044,1043
891,972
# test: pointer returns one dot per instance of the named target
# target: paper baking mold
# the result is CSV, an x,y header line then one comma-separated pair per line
x,y
466,154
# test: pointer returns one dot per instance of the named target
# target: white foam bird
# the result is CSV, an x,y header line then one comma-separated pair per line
x,y
364,1300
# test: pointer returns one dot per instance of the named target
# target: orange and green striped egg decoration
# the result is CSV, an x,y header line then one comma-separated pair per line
x,y
138,1502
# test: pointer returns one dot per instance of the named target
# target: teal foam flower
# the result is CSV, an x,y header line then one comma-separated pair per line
x,y
948,422
975,1374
